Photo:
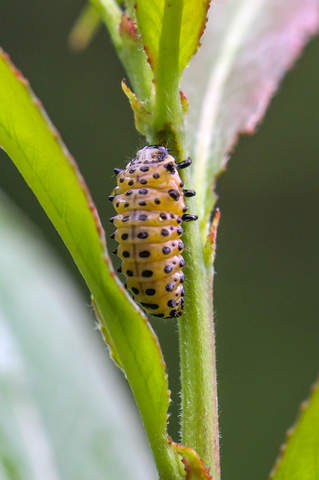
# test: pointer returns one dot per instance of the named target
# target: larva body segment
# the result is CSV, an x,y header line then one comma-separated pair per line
x,y
149,201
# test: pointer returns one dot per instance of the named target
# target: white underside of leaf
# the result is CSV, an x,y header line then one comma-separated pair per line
x,y
13,379
243,19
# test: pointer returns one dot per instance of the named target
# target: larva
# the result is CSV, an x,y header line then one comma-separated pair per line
x,y
149,201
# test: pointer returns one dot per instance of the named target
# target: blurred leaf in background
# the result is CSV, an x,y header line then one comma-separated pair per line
x,y
64,413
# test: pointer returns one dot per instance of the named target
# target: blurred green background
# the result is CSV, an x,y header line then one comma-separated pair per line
x,y
266,286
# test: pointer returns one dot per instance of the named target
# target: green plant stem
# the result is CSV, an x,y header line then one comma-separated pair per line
x,y
130,51
197,354
168,105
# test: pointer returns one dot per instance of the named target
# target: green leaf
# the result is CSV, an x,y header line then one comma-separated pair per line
x,y
246,49
171,24
299,457
170,30
63,412
48,168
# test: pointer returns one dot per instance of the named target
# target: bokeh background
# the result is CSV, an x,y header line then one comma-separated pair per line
x,y
266,286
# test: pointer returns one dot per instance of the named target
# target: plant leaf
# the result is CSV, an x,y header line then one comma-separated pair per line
x,y
48,168
299,457
246,49
151,17
63,412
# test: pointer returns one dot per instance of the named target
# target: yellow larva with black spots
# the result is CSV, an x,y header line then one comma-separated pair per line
x,y
149,201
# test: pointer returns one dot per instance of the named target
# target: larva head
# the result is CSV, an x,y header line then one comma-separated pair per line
x,y
151,154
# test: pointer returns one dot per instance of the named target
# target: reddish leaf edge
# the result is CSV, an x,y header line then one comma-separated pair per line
x,y
256,118
289,433
25,82
70,159
193,464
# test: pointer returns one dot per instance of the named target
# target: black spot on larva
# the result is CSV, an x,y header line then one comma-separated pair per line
x,y
129,273
126,218
126,254
172,215
144,169
174,263
180,230
170,167
130,183
142,235
150,292
181,262
171,303
173,313
168,269
122,179
173,244
156,175
159,315
125,286
164,232
174,194
150,306
163,216
171,227
169,287
143,191
157,201
147,273
185,209
126,205
166,250
179,314
124,236
175,279
117,204
182,278
120,269
135,290
132,170
181,246
142,204
181,184
179,220
182,292
143,181
129,192
144,254
142,217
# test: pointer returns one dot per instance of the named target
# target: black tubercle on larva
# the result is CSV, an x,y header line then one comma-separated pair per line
x,y
189,218
189,193
112,219
115,251
111,198
184,164
117,170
